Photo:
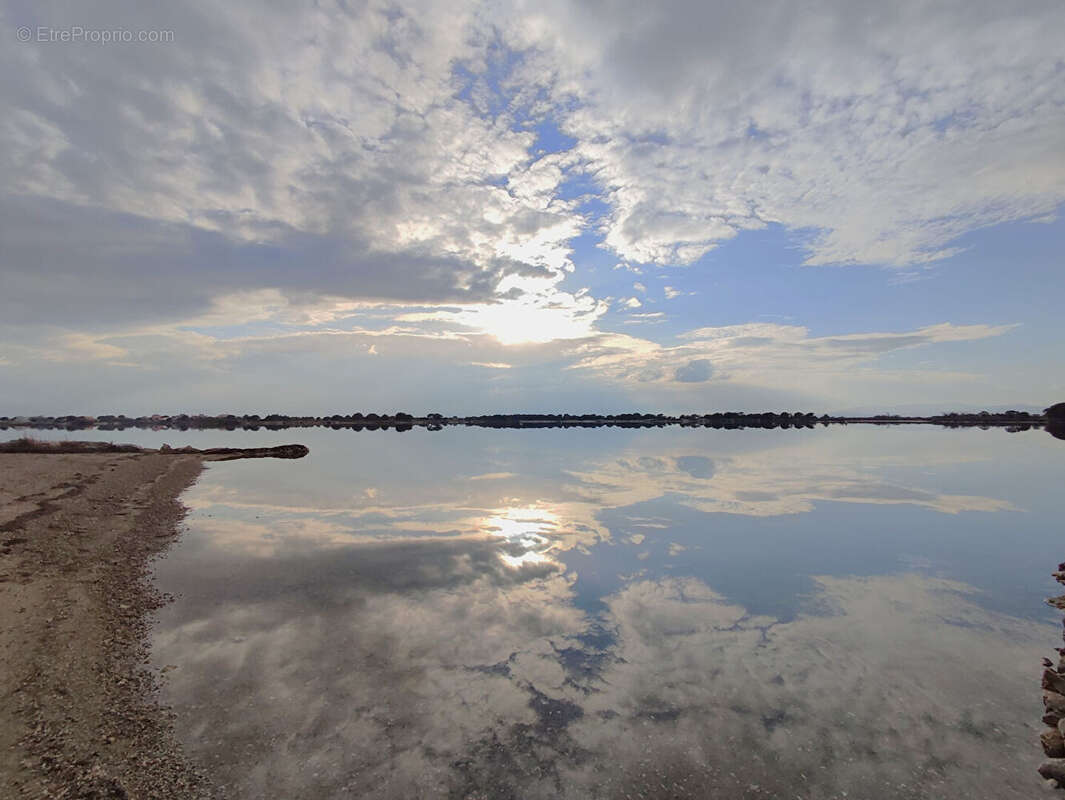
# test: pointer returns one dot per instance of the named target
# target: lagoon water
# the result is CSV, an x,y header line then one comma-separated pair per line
x,y
844,612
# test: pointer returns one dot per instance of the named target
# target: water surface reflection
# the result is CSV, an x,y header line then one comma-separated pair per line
x,y
665,613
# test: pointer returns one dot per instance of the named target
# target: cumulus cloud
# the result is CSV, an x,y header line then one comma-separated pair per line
x,y
376,129
695,371
326,152
354,180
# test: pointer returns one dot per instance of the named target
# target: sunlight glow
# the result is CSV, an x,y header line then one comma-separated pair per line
x,y
523,528
536,316
518,322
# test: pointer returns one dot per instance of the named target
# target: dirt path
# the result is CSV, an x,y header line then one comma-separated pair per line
x,y
77,533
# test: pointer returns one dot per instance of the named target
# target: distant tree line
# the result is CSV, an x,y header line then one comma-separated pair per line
x,y
403,421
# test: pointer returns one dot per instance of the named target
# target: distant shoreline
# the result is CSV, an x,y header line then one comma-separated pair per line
x,y
28,444
1012,421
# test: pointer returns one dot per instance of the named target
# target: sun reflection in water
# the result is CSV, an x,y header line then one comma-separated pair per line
x,y
526,532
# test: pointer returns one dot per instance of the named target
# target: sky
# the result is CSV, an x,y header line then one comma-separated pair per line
x,y
475,207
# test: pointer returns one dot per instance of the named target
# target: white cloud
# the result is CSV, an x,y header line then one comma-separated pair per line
x,y
532,317
82,346
698,370
344,182
532,348
887,130
645,318
337,134
768,354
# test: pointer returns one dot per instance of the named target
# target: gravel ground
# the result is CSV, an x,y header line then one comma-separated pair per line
x,y
79,717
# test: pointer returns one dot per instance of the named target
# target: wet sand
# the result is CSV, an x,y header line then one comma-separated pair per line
x,y
79,716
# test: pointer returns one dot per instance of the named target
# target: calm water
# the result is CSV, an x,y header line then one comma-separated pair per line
x,y
844,612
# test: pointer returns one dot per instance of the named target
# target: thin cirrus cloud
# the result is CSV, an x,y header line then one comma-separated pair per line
x,y
747,351
275,180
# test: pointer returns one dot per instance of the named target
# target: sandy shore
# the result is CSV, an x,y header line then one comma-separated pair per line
x,y
77,533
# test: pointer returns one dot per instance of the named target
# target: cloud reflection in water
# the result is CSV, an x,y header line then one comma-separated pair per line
x,y
373,646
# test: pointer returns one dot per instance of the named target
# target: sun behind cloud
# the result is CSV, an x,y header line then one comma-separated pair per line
x,y
531,318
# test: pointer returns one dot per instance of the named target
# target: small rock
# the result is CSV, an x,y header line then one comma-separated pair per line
x,y
1053,769
1054,703
1053,743
1053,681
